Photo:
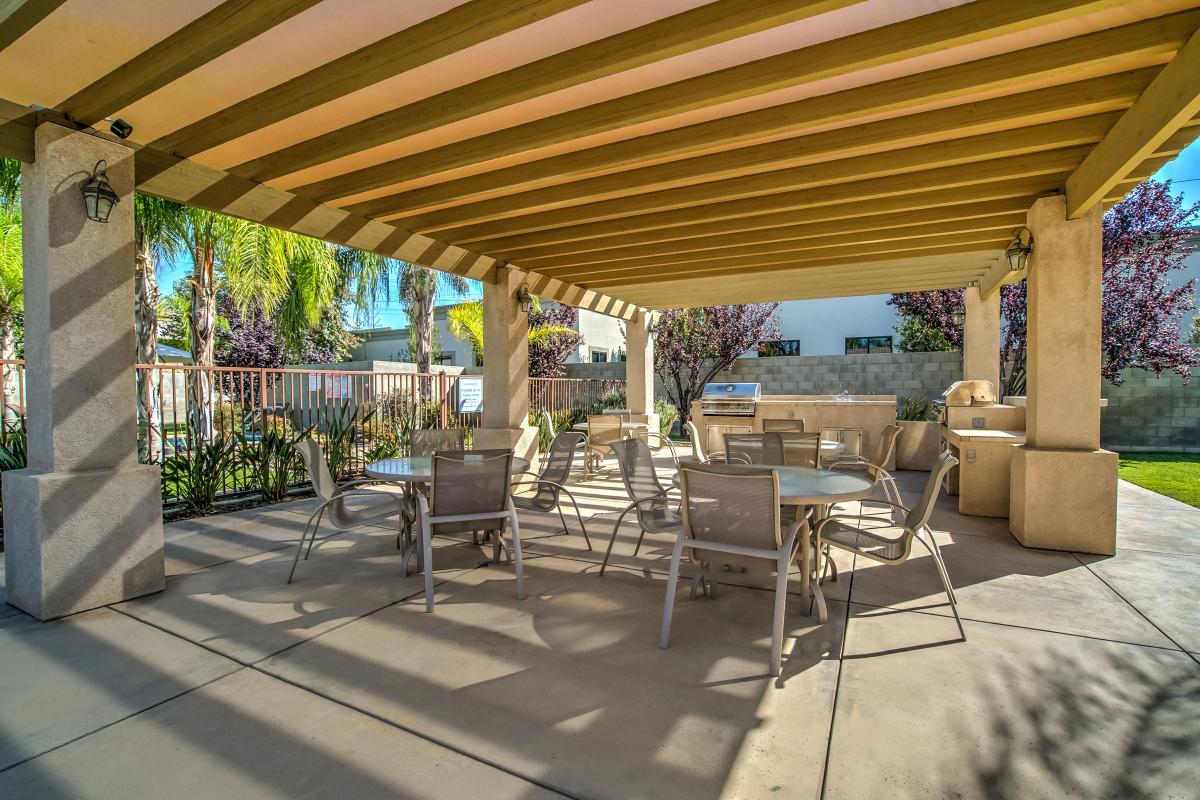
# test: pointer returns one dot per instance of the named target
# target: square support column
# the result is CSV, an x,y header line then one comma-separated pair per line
x,y
1064,487
83,523
981,337
639,370
506,368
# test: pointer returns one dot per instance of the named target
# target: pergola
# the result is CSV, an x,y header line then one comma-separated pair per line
x,y
615,155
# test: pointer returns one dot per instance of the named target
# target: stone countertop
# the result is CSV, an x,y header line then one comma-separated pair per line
x,y
956,435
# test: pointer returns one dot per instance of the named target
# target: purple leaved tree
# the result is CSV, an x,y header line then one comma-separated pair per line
x,y
1142,312
552,340
693,344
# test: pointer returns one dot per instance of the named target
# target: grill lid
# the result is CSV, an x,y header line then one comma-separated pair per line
x,y
732,392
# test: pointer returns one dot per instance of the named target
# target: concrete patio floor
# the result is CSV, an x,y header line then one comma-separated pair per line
x,y
1080,676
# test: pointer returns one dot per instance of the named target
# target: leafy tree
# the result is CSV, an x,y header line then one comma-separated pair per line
x,y
417,288
551,341
918,336
12,282
153,244
693,344
1141,311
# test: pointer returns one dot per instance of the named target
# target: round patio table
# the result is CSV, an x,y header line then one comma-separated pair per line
x,y
419,469
821,488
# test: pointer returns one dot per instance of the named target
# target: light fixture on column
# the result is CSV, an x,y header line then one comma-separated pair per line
x,y
524,298
98,196
1019,249
959,317
654,322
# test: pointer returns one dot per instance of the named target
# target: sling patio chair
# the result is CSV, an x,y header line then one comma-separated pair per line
x,y
469,490
368,505
875,544
754,448
426,442
603,430
731,517
552,482
650,501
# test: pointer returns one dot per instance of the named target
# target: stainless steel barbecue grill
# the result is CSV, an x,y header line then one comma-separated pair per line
x,y
730,399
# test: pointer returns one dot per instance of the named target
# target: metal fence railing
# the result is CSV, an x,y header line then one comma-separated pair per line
x,y
190,405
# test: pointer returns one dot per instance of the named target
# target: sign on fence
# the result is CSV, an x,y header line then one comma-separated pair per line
x,y
470,395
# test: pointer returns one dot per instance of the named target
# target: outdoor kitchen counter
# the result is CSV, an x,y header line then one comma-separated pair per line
x,y
868,414
981,479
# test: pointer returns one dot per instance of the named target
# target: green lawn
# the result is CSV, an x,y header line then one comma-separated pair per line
x,y
1173,474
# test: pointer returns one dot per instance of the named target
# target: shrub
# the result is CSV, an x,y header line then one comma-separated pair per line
x,y
667,415
343,429
197,476
917,409
270,459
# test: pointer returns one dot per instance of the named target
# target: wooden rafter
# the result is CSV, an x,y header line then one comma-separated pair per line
x,y
1171,100
457,29
685,32
931,33
17,17
230,24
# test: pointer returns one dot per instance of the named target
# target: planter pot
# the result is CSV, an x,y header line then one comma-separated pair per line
x,y
918,445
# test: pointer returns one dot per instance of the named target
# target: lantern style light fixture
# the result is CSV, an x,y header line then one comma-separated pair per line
x,y
98,196
959,317
1019,249
524,298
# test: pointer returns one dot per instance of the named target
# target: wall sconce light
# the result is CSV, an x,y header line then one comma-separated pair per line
x,y
655,322
98,196
524,298
1019,249
959,317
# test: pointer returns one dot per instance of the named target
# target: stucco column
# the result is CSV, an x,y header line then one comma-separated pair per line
x,y
505,368
83,523
1064,487
981,337
639,370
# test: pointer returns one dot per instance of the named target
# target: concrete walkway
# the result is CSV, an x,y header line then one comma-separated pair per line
x,y
1079,677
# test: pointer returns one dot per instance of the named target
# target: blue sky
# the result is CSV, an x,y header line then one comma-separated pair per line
x,y
1184,171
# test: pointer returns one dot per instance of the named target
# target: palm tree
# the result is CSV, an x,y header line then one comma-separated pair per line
x,y
418,287
12,282
465,321
153,222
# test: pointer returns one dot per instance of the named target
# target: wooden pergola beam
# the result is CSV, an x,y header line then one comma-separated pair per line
x,y
509,215
17,17
757,265
1171,100
988,229
463,26
230,24
1150,42
931,33
1106,94
681,33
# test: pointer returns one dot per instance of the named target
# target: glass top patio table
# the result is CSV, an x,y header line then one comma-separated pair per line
x,y
808,486
419,469
628,426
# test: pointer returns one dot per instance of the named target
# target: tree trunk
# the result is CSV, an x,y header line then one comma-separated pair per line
x,y
146,323
422,322
12,399
200,385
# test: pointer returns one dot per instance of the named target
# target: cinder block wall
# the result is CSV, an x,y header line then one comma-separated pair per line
x,y
1144,413
1149,413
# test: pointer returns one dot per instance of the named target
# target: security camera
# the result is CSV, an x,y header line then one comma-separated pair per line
x,y
120,128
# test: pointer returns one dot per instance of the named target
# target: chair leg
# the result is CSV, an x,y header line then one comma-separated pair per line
x,y
781,575
300,547
941,571
617,527
516,555
427,565
562,518
664,635
313,540
638,546
579,517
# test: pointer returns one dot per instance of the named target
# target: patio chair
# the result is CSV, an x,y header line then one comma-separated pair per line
x,y
552,482
874,467
623,413
650,500
873,543
468,488
698,455
800,449
603,430
731,516
370,505
754,448
426,442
